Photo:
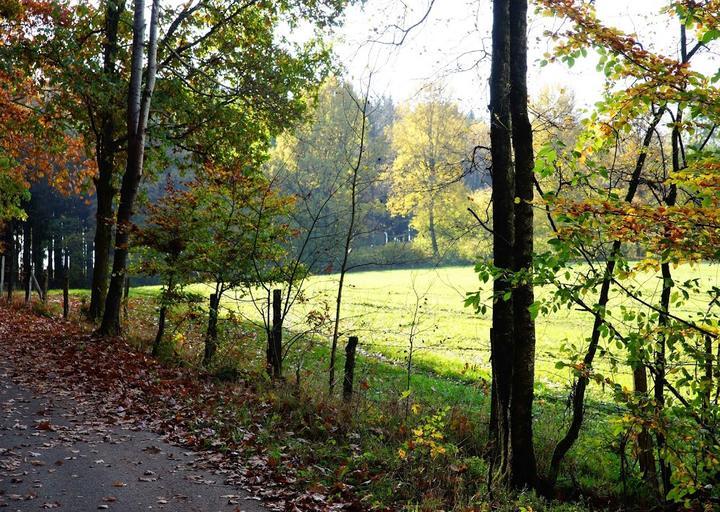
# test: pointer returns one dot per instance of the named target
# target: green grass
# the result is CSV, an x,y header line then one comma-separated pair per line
x,y
451,339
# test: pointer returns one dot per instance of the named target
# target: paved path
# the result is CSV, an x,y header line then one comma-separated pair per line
x,y
52,459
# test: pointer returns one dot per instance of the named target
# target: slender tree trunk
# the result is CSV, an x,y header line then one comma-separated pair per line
x,y
58,257
431,229
106,156
36,229
160,331
139,100
708,377
66,289
664,319
503,227
50,256
646,456
27,259
350,235
524,468
11,251
580,387
665,471
161,318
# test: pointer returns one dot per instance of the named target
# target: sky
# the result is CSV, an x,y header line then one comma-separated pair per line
x,y
450,44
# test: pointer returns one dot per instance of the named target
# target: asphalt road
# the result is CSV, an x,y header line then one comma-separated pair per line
x,y
51,458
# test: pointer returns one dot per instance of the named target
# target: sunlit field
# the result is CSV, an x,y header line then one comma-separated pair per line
x,y
389,309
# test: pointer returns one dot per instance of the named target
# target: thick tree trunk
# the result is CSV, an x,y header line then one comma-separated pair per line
x,y
103,239
503,227
139,100
111,316
523,472
105,155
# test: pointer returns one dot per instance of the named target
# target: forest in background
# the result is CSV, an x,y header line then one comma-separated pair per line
x,y
199,148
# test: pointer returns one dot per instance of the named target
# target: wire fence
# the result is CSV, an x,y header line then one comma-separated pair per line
x,y
419,316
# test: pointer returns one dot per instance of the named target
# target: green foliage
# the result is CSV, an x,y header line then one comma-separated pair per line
x,y
432,142
315,163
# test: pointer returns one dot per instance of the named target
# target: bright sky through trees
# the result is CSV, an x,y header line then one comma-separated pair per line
x,y
455,36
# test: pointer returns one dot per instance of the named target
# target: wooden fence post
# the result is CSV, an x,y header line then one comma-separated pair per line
x,y
211,336
45,285
276,336
349,367
66,295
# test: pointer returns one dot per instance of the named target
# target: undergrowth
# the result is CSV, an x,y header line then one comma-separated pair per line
x,y
417,449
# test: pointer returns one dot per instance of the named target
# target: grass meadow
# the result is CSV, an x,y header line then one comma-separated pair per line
x,y
387,308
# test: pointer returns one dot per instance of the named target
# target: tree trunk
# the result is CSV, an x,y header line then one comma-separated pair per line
x,y
36,231
578,392
103,239
27,260
523,472
139,100
105,154
160,331
664,319
708,377
66,293
11,251
51,260
58,257
646,457
431,229
503,227
665,471
350,235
